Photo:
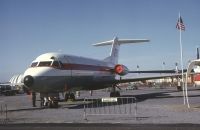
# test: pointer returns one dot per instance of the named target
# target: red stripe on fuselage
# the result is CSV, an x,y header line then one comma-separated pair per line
x,y
197,77
85,67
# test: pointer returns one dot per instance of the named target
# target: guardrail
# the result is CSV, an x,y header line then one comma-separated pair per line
x,y
3,114
124,106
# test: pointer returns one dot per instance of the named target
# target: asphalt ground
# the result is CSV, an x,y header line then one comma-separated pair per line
x,y
101,126
157,108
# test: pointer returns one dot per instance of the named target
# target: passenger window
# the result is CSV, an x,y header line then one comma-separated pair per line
x,y
45,63
34,64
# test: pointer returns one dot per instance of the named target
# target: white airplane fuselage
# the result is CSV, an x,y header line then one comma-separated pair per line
x,y
196,77
55,72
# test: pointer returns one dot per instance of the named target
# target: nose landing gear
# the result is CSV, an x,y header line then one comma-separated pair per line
x,y
49,100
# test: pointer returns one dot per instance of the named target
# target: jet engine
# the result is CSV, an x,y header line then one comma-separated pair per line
x,y
121,70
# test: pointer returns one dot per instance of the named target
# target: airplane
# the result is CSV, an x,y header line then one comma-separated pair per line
x,y
194,66
51,73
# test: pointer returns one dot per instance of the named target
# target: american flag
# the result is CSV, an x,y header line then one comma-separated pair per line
x,y
180,25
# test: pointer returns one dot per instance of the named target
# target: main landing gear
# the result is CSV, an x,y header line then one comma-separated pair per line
x,y
69,96
114,93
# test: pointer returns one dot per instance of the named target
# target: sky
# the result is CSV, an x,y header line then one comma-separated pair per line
x,y
29,28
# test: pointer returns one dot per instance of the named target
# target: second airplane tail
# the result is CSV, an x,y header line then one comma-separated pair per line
x,y
113,58
197,53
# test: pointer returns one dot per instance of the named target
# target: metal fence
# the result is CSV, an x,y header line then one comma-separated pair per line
x,y
3,114
125,106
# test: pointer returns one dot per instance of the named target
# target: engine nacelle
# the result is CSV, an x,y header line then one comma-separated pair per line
x,y
121,70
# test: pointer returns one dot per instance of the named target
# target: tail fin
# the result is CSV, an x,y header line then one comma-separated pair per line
x,y
197,53
113,58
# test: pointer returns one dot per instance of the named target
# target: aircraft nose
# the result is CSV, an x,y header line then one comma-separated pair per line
x,y
28,80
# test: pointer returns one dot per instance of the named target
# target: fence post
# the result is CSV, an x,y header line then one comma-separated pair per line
x,y
6,109
135,108
85,118
3,114
110,106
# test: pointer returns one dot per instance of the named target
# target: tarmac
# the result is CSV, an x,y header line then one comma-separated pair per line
x,y
156,108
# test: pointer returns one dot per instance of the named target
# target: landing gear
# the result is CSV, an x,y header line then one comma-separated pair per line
x,y
53,104
49,100
114,93
179,88
70,96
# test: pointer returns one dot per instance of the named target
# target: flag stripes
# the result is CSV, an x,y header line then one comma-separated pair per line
x,y
180,25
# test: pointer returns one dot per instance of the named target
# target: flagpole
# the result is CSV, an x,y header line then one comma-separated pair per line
x,y
186,91
181,50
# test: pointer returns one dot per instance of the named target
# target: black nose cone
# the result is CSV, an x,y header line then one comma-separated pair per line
x,y
28,80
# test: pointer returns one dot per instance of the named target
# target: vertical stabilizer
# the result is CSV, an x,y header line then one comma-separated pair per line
x,y
114,53
197,53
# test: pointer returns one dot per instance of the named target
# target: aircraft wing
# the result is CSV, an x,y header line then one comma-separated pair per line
x,y
158,71
144,78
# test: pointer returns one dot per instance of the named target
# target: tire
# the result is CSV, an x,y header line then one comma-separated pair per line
x,y
53,104
115,94
112,94
72,96
66,97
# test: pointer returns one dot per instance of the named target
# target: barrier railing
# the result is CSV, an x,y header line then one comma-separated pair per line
x,y
3,114
125,106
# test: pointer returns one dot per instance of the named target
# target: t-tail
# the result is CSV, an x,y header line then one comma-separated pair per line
x,y
197,53
114,53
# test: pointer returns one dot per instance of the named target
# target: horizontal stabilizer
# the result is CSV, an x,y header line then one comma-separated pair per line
x,y
113,57
121,41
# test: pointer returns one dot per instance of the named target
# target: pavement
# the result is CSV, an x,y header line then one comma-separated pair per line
x,y
100,126
156,108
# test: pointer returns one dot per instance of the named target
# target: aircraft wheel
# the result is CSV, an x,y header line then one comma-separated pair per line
x,y
72,96
53,104
115,94
111,94
66,97
179,88
50,104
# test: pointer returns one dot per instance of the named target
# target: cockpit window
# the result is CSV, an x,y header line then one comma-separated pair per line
x,y
56,64
45,63
34,64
